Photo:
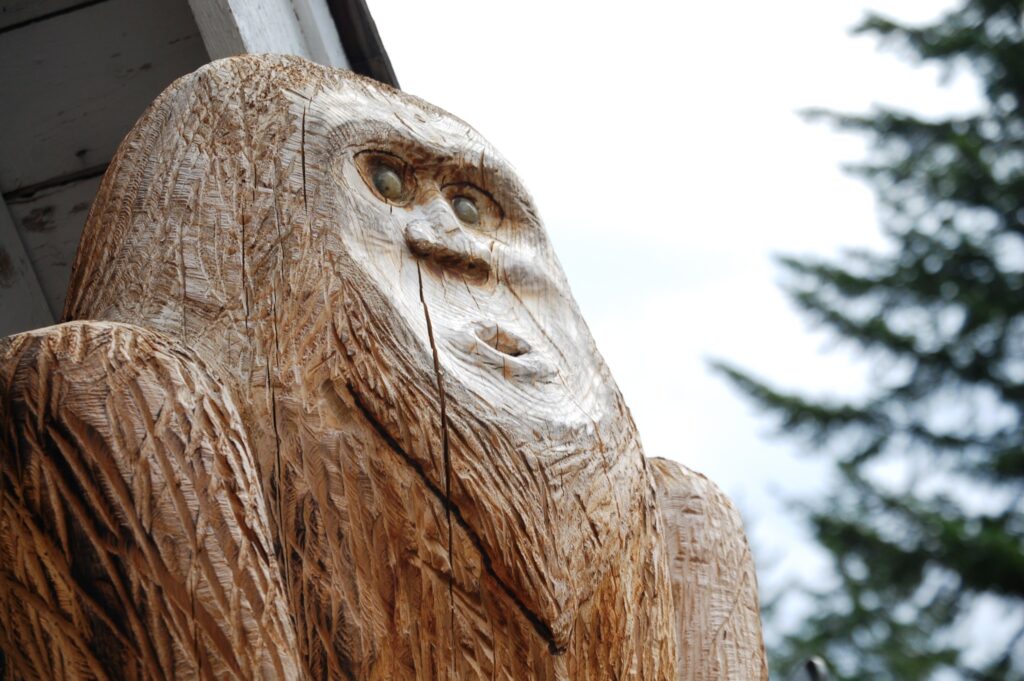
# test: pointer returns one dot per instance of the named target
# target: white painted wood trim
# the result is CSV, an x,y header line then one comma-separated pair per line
x,y
320,32
300,27
22,303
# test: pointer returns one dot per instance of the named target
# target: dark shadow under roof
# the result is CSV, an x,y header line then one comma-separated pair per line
x,y
361,41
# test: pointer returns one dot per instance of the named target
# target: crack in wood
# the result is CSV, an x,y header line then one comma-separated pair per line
x,y
539,625
567,536
446,454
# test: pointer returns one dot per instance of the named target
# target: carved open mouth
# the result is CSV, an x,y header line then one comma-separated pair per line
x,y
501,340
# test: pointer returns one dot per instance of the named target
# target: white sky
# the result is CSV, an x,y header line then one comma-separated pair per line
x,y
661,144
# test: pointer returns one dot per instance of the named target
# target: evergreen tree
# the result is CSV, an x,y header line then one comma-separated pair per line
x,y
926,523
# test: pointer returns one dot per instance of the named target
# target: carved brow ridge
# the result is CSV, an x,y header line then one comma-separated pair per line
x,y
501,177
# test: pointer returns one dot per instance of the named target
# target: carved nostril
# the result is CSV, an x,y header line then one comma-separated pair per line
x,y
452,248
505,342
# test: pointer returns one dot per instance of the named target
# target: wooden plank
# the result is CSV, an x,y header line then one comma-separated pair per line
x,y
364,50
14,12
22,303
219,26
320,32
50,224
299,27
77,82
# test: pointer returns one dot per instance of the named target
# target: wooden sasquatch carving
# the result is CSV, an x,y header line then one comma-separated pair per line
x,y
324,408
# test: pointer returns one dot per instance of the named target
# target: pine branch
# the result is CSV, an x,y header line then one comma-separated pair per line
x,y
817,420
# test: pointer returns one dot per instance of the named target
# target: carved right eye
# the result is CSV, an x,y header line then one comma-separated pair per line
x,y
466,210
389,176
388,182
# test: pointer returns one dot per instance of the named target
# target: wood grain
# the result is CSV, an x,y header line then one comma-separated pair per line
x,y
135,541
714,587
453,485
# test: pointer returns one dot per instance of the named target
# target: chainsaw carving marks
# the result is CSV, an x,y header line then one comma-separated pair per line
x,y
326,324
135,540
714,588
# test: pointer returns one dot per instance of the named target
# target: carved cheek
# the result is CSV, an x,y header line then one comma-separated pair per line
x,y
367,233
526,271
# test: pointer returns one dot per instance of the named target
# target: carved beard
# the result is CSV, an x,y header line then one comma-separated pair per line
x,y
272,257
489,383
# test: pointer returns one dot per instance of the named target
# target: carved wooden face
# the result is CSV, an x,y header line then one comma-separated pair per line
x,y
440,223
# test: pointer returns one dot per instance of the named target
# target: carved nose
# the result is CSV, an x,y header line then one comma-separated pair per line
x,y
448,245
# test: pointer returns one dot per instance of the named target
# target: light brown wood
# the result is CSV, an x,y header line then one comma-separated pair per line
x,y
714,587
135,539
450,485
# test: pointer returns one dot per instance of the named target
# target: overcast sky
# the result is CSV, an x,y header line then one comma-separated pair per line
x,y
661,143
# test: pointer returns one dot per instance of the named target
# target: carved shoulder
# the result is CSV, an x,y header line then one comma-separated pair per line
x,y
714,586
134,540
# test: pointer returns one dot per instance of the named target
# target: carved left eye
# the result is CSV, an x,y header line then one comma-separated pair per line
x,y
473,206
387,182
466,210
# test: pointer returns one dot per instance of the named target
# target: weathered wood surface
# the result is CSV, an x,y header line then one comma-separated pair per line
x,y
714,587
94,70
453,487
135,538
77,75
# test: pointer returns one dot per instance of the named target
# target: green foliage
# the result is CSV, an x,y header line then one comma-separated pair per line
x,y
926,521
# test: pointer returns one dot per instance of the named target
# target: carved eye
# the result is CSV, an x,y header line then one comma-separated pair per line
x,y
389,176
473,206
388,182
466,210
